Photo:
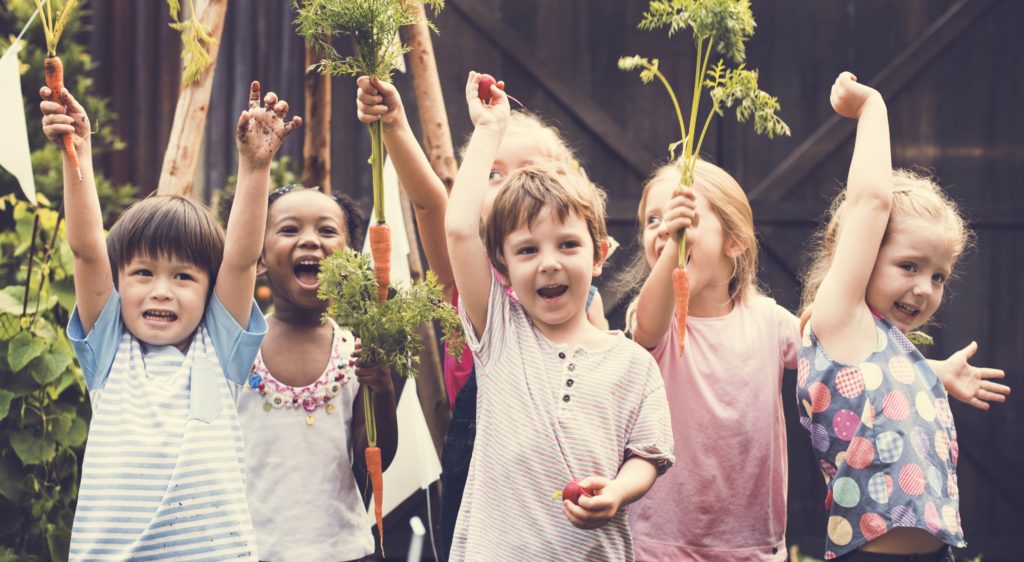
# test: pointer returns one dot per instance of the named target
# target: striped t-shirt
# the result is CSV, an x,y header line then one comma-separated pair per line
x,y
546,414
163,476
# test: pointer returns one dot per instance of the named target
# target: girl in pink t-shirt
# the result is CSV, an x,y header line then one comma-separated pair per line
x,y
726,500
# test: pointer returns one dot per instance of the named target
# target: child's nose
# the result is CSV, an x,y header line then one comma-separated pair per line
x,y
549,262
309,240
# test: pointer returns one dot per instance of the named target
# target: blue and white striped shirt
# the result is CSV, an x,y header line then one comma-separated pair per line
x,y
163,475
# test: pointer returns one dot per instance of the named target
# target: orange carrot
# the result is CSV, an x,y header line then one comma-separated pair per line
x,y
375,471
681,290
54,70
380,249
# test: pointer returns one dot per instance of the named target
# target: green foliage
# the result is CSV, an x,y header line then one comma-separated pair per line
x,y
54,21
728,24
78,64
388,329
373,26
196,42
43,408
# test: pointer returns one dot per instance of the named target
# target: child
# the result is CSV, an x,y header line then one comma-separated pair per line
x,y
528,139
558,398
879,422
727,501
165,328
302,413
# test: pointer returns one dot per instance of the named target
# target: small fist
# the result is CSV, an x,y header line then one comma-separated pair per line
x,y
63,116
493,115
377,100
374,374
681,211
848,97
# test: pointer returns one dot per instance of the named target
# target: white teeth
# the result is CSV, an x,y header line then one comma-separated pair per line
x,y
159,314
906,308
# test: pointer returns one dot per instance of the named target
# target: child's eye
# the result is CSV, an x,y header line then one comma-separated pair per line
x,y
938,278
909,267
526,250
495,175
142,272
287,230
329,230
184,277
653,220
571,244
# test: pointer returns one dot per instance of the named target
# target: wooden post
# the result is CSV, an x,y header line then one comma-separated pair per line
x,y
178,173
316,146
437,137
437,143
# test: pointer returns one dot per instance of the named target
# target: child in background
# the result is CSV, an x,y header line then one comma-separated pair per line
x,y
528,140
726,501
878,418
558,398
165,329
301,413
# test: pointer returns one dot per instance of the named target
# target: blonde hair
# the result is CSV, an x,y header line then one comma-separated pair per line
x,y
529,190
729,203
914,196
549,141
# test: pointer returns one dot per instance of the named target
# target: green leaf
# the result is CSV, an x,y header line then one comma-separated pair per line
x,y
58,541
64,290
11,299
11,479
5,403
23,349
45,331
74,434
33,449
48,367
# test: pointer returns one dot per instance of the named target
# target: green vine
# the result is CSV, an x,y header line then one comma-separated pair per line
x,y
196,42
723,26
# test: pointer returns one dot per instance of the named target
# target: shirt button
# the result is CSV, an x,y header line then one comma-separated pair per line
x,y
566,398
572,367
561,355
569,383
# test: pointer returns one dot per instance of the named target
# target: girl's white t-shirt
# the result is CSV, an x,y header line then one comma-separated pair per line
x,y
304,501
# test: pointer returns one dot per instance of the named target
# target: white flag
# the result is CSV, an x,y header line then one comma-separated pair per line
x,y
15,156
416,464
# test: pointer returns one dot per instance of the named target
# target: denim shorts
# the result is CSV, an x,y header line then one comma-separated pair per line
x,y
455,457
944,554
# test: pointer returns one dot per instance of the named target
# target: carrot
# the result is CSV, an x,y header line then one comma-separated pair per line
x,y
380,248
681,290
375,472
54,70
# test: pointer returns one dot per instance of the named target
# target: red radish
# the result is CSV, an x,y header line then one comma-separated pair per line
x,y
573,491
484,89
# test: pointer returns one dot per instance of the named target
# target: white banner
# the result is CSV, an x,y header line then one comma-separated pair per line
x,y
15,156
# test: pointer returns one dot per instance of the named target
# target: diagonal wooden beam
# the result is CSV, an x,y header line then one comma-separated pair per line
x,y
832,134
583,108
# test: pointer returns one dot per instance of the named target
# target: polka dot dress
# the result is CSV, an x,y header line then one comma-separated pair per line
x,y
883,435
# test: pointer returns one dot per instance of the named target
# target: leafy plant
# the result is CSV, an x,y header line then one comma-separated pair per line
x,y
196,42
43,409
388,329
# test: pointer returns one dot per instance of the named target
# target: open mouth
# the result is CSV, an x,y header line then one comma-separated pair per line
x,y
160,315
552,291
306,272
907,310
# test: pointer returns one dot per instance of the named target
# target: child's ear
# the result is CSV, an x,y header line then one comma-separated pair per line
x,y
735,248
602,254
261,266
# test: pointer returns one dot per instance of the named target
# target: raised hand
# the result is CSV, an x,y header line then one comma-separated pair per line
x,y
378,100
59,121
493,116
848,97
262,129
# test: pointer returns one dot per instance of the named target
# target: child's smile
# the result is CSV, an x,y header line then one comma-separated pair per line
x,y
162,301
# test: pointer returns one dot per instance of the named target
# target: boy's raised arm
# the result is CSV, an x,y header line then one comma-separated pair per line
x,y
259,135
462,219
376,99
93,279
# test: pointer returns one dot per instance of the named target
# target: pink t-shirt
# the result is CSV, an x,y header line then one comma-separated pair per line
x,y
726,498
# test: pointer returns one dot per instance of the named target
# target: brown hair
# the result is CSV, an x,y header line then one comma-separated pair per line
x,y
914,196
167,226
730,205
533,188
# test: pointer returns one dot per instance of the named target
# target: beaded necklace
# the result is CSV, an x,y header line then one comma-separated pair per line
x,y
277,395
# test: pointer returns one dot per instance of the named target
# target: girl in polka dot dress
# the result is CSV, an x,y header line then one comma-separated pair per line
x,y
727,500
877,412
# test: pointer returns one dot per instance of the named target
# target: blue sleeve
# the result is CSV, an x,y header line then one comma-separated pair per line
x,y
236,347
96,350
590,297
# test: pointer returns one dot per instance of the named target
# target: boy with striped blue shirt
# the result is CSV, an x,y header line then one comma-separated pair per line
x,y
165,330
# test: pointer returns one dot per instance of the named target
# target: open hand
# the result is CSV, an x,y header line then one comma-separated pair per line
x,y
63,117
596,510
971,384
494,116
848,97
261,130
